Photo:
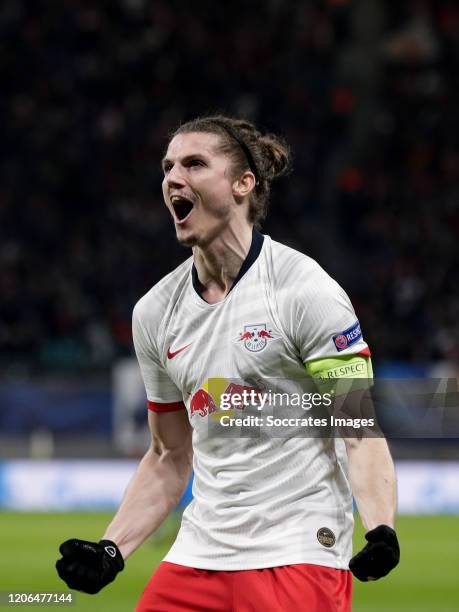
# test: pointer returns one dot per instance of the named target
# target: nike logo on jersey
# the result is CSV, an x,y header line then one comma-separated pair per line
x,y
172,354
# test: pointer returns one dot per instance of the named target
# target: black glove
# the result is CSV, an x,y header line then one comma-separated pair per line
x,y
89,566
379,557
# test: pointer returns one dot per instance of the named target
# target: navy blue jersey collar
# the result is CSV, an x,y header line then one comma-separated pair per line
x,y
252,255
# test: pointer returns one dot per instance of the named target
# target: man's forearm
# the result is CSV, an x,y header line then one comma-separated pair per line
x,y
154,491
372,477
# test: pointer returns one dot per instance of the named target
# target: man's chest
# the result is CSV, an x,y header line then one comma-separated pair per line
x,y
230,342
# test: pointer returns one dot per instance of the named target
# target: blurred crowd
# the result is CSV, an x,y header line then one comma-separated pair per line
x,y
402,195
90,92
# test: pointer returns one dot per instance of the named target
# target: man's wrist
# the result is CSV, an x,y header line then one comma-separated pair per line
x,y
124,547
373,524
113,552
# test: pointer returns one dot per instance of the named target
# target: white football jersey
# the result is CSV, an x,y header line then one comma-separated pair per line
x,y
267,500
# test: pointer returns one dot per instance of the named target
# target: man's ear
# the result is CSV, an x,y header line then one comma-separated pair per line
x,y
243,185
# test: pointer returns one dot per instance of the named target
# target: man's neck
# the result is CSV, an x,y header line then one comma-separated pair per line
x,y
218,264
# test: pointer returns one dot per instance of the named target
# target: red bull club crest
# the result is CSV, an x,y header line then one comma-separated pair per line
x,y
255,337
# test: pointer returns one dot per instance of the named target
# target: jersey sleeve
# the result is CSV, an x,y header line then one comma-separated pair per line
x,y
323,321
162,393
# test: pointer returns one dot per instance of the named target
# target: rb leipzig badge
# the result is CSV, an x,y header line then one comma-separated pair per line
x,y
255,337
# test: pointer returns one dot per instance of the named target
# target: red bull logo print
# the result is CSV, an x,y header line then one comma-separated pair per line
x,y
255,337
202,403
206,400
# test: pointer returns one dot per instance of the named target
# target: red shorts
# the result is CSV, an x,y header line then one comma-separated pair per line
x,y
289,588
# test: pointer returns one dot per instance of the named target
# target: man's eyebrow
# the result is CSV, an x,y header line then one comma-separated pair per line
x,y
185,159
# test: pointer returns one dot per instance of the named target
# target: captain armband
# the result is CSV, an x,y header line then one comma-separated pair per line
x,y
341,375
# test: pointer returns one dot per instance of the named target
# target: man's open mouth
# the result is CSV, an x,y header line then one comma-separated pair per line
x,y
182,207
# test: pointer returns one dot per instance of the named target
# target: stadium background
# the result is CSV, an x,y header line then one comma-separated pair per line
x,y
365,92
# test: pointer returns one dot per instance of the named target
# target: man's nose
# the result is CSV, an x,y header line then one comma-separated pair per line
x,y
175,176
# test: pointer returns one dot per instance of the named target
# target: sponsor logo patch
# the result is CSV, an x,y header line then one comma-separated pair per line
x,y
348,337
326,537
207,399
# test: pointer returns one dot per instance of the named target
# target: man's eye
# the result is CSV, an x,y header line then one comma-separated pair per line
x,y
196,162
166,168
